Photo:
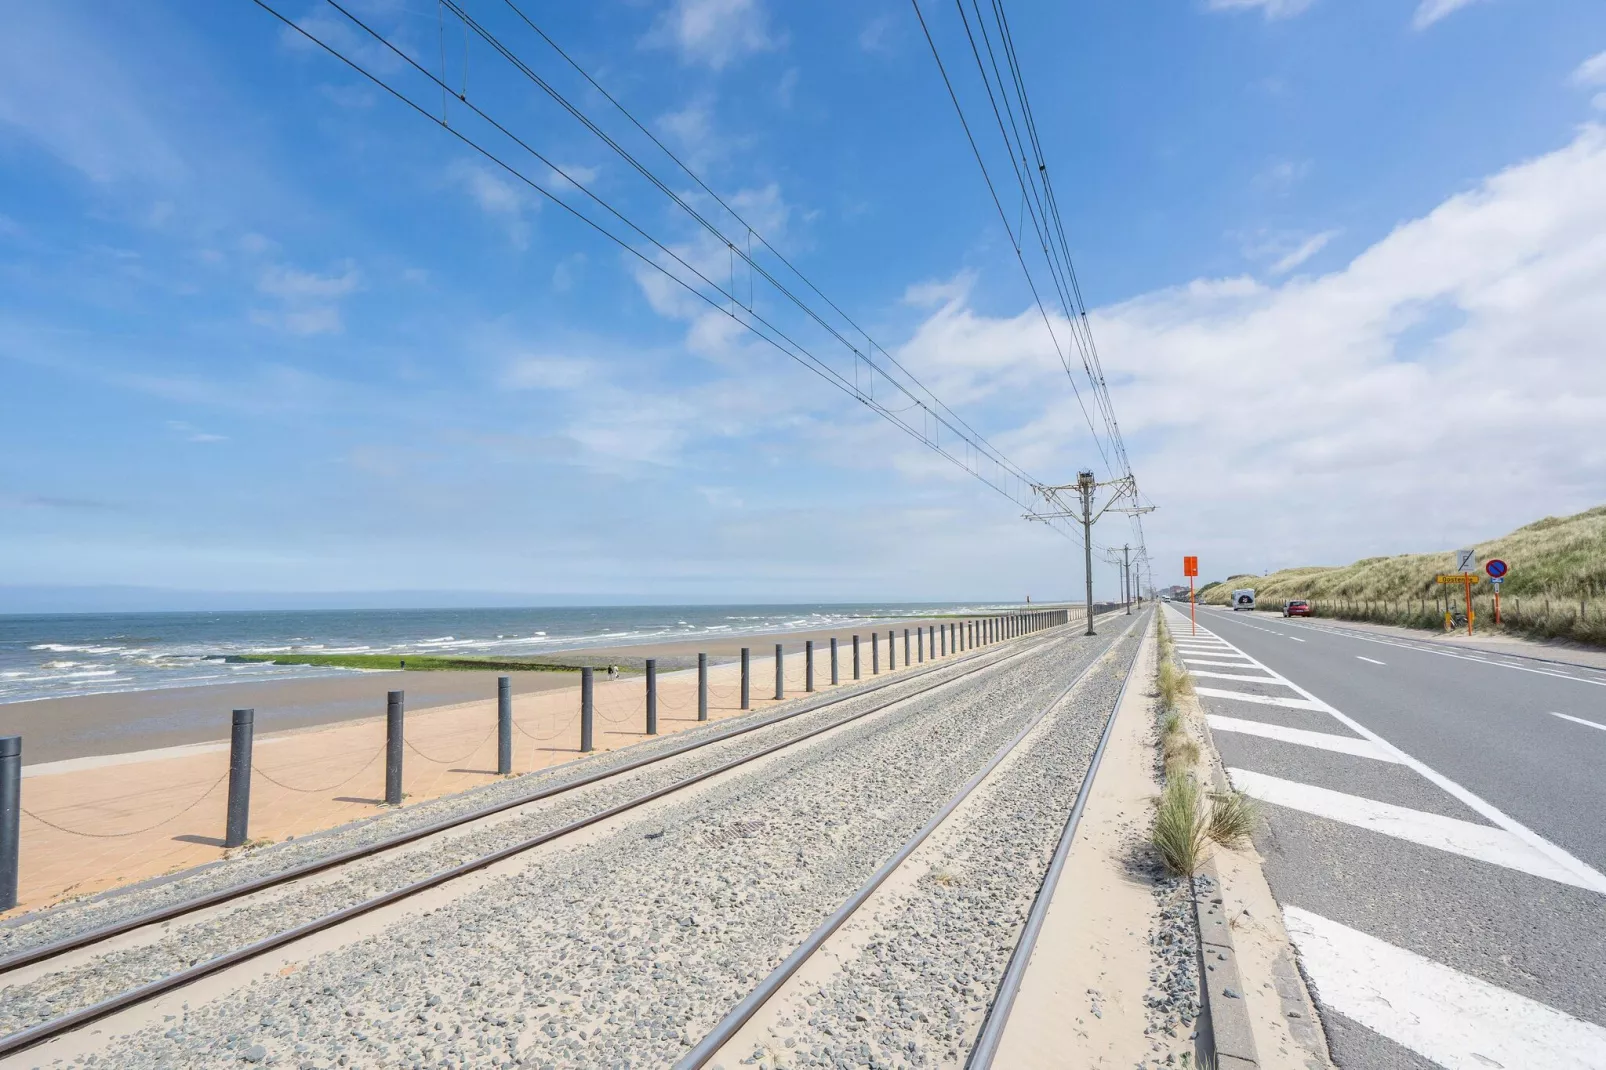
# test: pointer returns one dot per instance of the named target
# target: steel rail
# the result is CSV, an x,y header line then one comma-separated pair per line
x,y
985,1050
738,1016
38,1034
238,891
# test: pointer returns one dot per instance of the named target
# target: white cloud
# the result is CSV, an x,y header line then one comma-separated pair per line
x,y
498,196
192,433
540,372
578,175
309,301
1592,71
1431,11
1272,9
713,32
297,285
1445,384
873,38
61,90
1306,249
1281,176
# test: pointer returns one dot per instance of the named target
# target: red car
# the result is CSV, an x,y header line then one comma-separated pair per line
x,y
1297,608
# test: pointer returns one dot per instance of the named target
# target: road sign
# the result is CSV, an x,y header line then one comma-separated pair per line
x,y
1466,560
1459,577
1497,581
1190,566
1496,568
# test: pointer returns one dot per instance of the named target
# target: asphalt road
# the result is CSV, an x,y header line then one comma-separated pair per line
x,y
1435,834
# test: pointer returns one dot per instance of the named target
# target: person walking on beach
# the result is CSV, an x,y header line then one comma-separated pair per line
x,y
613,672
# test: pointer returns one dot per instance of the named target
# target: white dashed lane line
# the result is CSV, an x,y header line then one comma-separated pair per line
x,y
1458,1021
1578,720
1374,661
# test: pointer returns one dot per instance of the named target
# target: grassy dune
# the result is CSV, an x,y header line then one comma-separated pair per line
x,y
1555,587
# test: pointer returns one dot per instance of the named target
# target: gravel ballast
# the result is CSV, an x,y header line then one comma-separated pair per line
x,y
917,991
618,951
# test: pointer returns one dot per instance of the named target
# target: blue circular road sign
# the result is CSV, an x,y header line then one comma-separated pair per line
x,y
1495,567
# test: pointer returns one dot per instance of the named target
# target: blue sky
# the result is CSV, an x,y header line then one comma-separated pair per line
x,y
263,329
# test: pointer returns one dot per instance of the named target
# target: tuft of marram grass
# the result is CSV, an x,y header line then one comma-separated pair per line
x,y
1171,723
1232,818
1172,683
1179,835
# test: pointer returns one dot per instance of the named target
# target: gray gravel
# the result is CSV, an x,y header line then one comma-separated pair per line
x,y
188,943
917,992
621,951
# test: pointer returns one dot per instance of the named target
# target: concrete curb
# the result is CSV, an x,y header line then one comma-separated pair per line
x,y
1231,1037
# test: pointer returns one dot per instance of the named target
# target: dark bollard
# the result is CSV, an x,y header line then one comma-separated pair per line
x,y
747,678
875,653
702,687
920,645
395,710
239,812
892,650
944,639
834,679
588,711
652,696
504,725
855,657
780,669
907,660
10,817
808,665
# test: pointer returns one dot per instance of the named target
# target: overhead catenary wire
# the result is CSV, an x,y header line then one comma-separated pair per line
x,y
967,450
1017,126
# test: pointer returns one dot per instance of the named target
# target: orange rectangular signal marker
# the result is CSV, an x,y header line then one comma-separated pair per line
x,y
1190,566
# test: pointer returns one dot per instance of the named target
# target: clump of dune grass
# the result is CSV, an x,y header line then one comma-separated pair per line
x,y
1180,827
1179,754
1172,683
1232,818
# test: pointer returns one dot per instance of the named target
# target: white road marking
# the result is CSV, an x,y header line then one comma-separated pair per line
x,y
1563,716
1233,676
1485,843
1360,748
1450,1018
1296,638
1264,700
1411,645
1374,661
1590,877
1247,663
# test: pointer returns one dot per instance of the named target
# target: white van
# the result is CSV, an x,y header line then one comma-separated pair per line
x,y
1243,598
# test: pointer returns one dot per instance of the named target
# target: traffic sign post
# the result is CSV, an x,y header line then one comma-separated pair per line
x,y
1497,570
1190,569
1467,579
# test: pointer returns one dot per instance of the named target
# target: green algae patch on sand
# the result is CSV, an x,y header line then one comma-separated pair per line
x,y
409,662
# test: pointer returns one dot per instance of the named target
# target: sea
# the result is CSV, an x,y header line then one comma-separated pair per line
x,y
62,655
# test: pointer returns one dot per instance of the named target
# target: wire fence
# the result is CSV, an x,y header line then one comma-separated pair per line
x,y
1581,620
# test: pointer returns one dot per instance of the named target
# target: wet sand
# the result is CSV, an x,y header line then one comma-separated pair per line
x,y
57,729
